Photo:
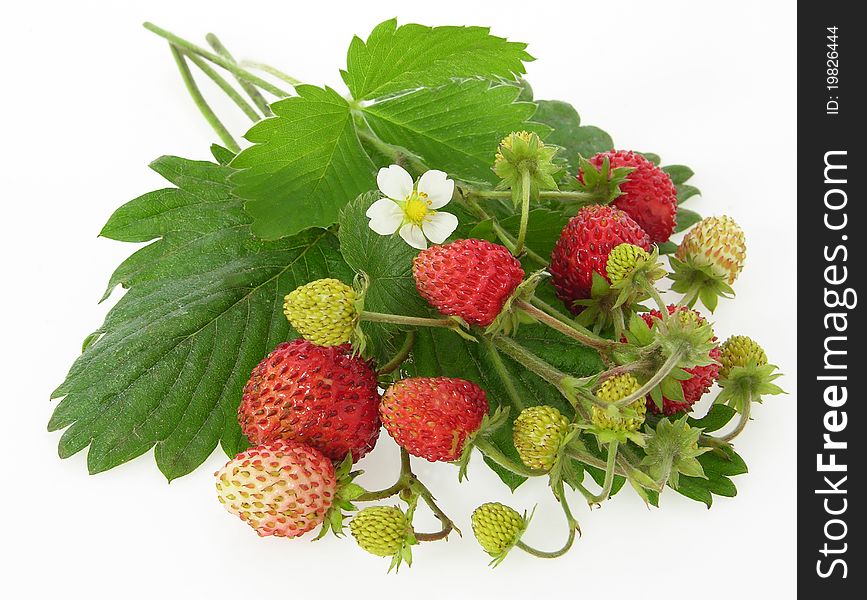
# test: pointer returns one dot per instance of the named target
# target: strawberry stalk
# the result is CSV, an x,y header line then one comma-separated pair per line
x,y
376,317
743,419
224,85
610,466
571,329
525,211
570,521
201,103
229,65
248,87
401,355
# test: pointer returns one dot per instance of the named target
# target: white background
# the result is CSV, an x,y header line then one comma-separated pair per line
x,y
89,98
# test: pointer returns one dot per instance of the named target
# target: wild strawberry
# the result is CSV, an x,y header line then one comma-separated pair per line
x,y
584,246
622,261
317,395
497,528
432,417
537,434
384,531
740,351
322,311
702,377
614,389
648,194
470,279
281,488
718,243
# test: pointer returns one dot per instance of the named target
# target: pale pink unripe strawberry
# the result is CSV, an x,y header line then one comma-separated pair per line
x,y
281,488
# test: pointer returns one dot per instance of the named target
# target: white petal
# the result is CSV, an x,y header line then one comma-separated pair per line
x,y
394,182
385,216
437,186
412,235
439,226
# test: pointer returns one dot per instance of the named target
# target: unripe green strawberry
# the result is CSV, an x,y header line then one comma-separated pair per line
x,y
614,389
322,311
622,260
716,242
739,351
281,488
497,527
380,530
537,434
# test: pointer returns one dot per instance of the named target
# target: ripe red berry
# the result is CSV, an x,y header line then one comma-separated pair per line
x,y
470,279
584,246
432,417
316,395
702,377
648,194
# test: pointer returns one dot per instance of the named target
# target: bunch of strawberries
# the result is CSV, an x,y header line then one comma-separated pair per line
x,y
315,405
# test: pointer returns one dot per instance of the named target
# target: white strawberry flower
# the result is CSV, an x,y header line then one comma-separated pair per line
x,y
412,209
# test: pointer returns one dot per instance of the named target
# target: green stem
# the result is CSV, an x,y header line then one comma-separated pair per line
x,y
742,423
488,449
401,355
217,60
271,71
401,484
589,459
393,153
224,85
667,367
610,466
654,293
376,317
503,373
525,211
504,236
200,101
248,87
565,328
447,524
532,362
570,521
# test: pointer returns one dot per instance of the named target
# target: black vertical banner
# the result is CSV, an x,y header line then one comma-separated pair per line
x,y
832,234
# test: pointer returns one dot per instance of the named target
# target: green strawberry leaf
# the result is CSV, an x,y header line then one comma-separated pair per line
x,y
718,469
685,192
387,263
543,229
576,140
411,56
439,352
455,127
716,418
305,164
202,309
678,173
685,219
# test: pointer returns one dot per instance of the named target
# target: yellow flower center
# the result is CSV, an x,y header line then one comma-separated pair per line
x,y
416,208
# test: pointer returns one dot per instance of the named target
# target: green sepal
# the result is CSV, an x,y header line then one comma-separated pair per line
x,y
522,152
510,318
603,183
698,282
347,491
748,384
672,450
499,558
716,418
490,424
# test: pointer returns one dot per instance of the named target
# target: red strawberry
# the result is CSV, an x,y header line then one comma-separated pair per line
x,y
649,196
583,248
702,377
282,488
470,279
316,395
432,417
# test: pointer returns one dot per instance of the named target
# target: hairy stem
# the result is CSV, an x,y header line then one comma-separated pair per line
x,y
570,539
217,60
200,101
525,211
401,484
532,362
503,373
248,87
400,356
488,449
224,85
376,317
572,330
610,467
447,524
271,71
743,419
667,367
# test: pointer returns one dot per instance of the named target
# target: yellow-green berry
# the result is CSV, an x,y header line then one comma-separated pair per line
x,y
323,311
537,434
380,530
622,260
614,389
497,527
717,242
739,351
